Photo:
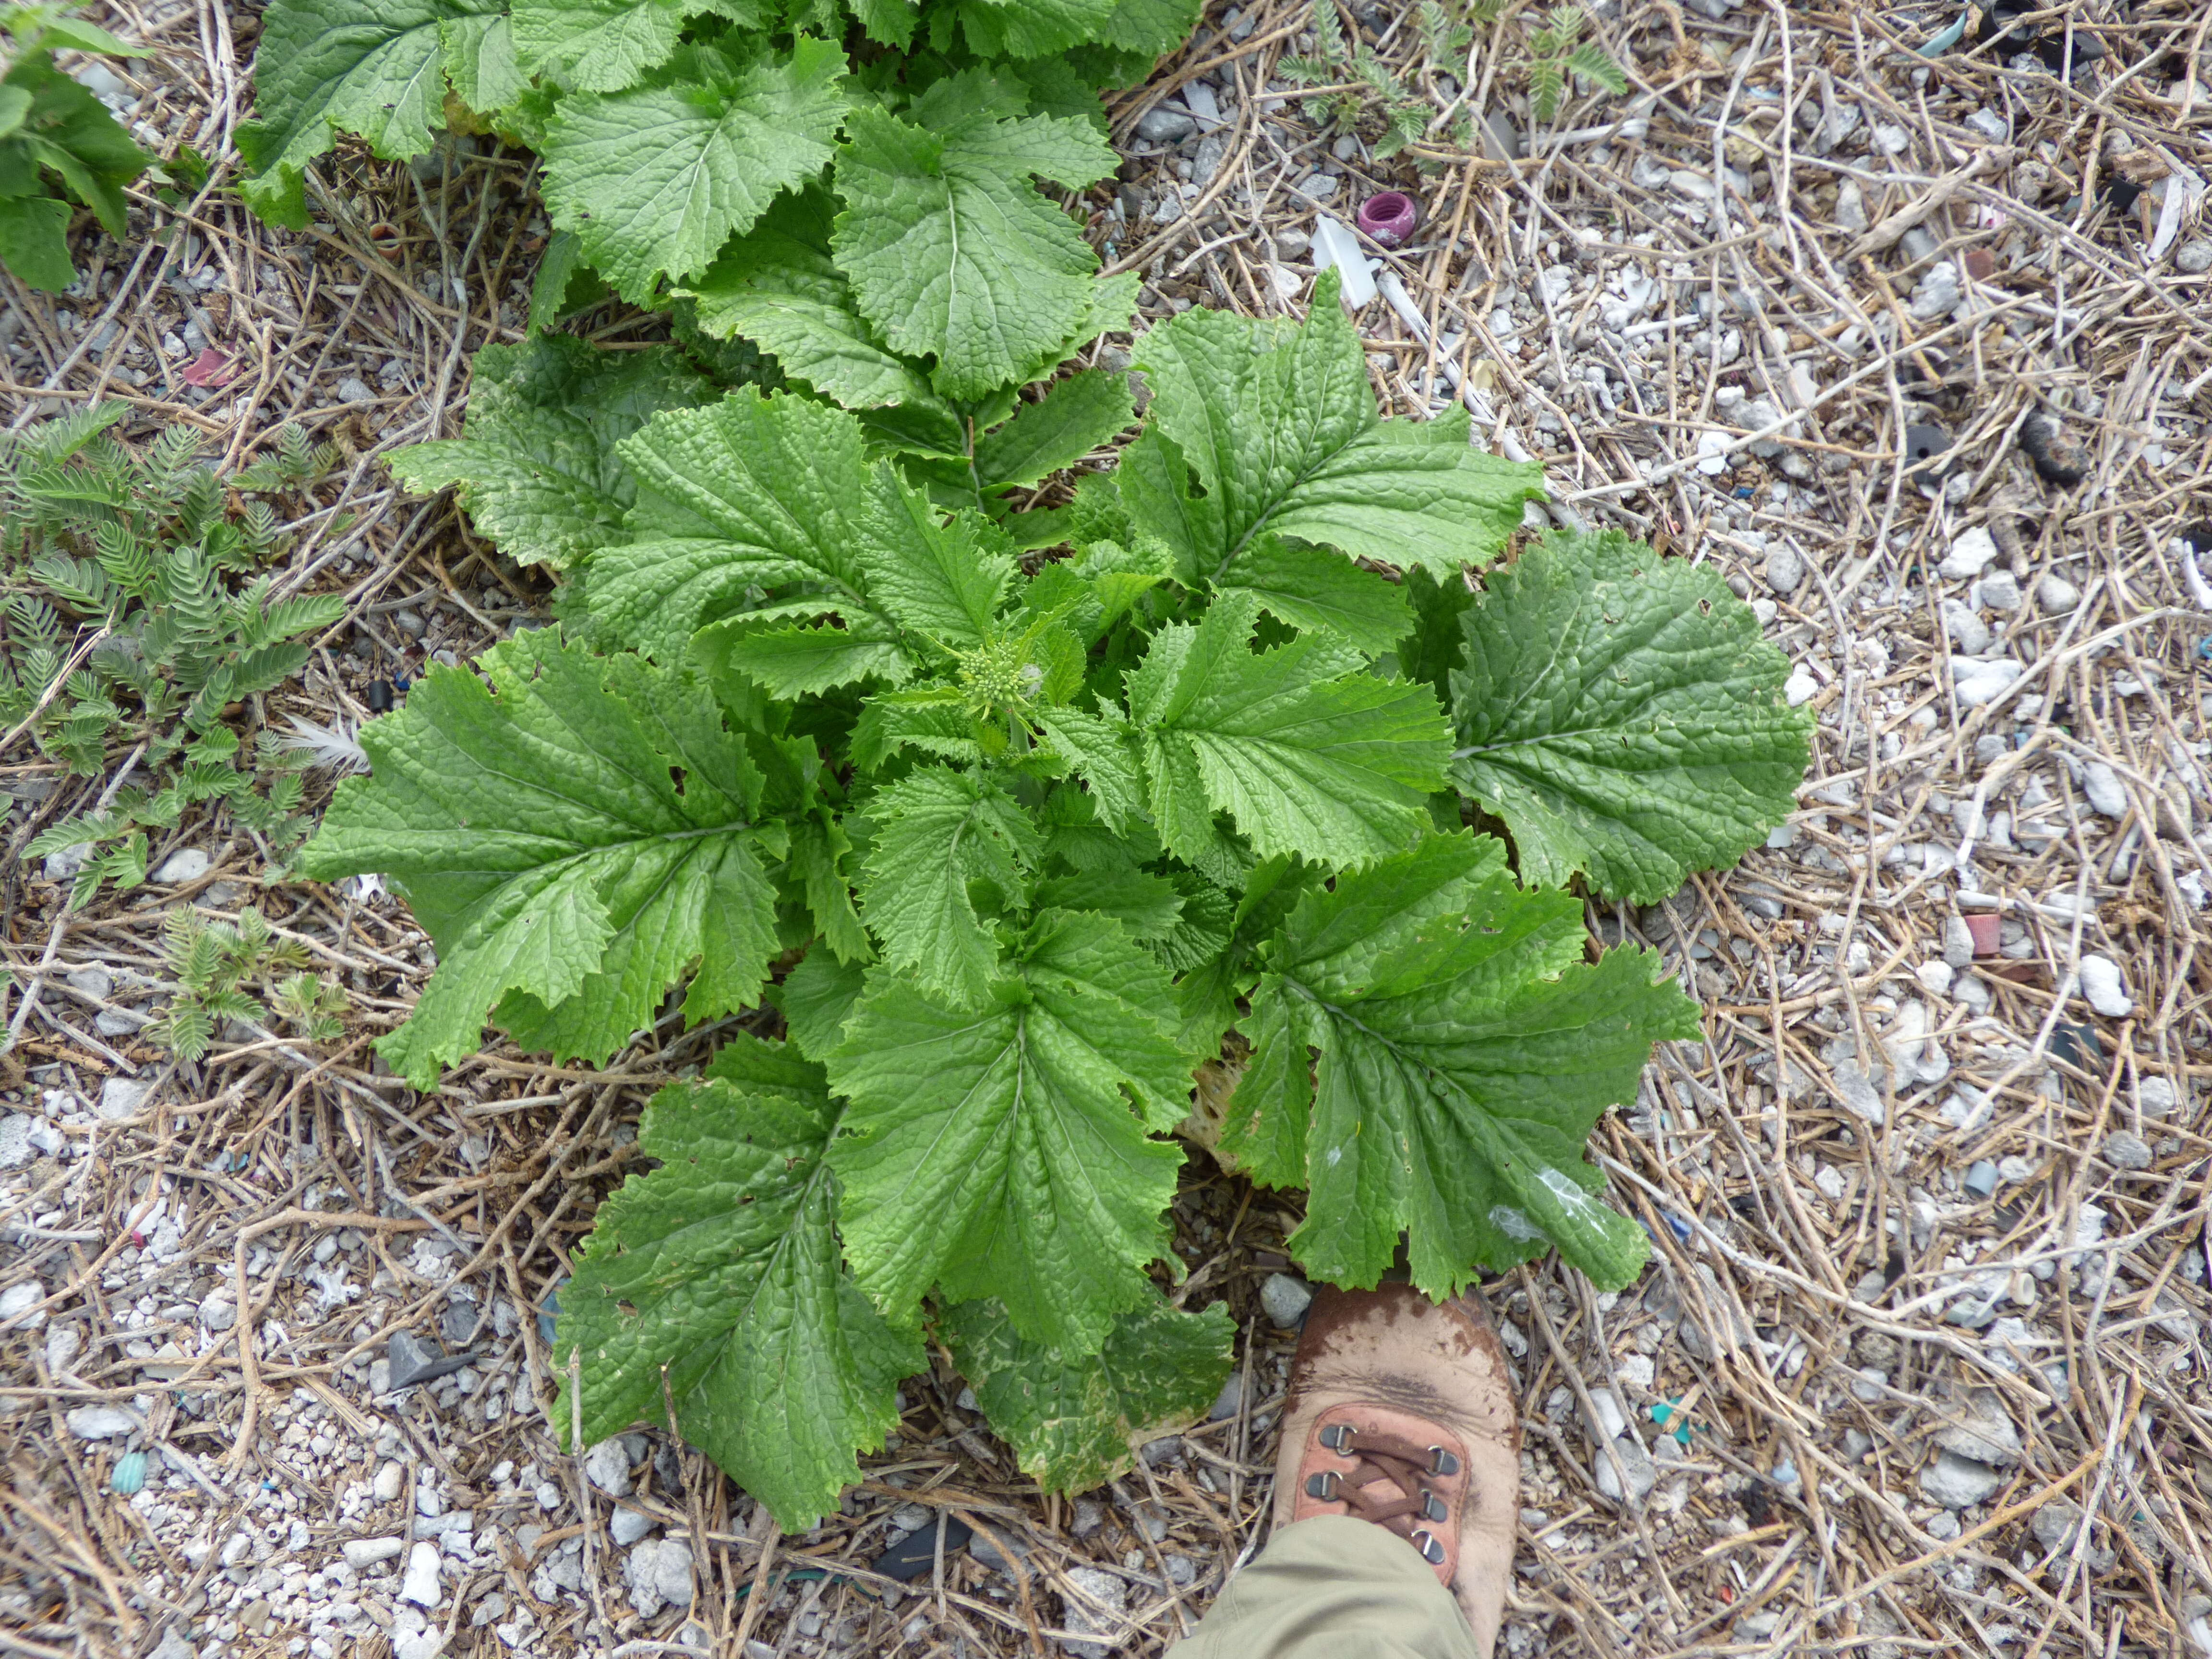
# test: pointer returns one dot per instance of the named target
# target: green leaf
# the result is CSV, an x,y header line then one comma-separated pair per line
x,y
818,997
1044,28
752,493
951,250
557,268
34,241
937,830
75,34
1075,1418
722,1265
1098,749
1438,641
999,1154
778,287
819,852
1547,82
1279,423
799,662
599,45
69,131
1309,755
480,62
574,836
1620,712
537,462
1594,62
655,180
15,105
888,22
1077,416
1466,1049
1148,906
374,68
944,581
1319,592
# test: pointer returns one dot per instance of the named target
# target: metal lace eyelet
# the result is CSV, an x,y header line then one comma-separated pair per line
x,y
1322,1486
1432,1507
1337,1437
1442,1461
1431,1551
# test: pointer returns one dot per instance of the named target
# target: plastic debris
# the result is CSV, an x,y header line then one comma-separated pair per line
x,y
1333,244
380,696
548,1309
1938,44
1389,216
1981,1179
1987,932
2077,1045
128,1475
412,1362
1923,444
916,1554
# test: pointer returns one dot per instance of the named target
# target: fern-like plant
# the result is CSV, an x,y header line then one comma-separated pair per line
x,y
215,969
1038,833
1557,50
130,612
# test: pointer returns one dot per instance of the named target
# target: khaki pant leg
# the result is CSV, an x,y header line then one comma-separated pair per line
x,y
1333,1588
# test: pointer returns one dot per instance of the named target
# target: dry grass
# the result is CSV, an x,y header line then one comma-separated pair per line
x,y
1800,1249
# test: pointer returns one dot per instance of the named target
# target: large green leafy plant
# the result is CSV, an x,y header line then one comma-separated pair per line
x,y
1012,844
853,188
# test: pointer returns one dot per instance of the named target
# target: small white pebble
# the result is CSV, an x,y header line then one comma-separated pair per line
x,y
2102,986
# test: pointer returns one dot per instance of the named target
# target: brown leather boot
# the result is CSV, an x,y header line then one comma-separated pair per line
x,y
1401,1413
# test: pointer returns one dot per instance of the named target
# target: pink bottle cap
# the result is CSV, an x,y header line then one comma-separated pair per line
x,y
1389,217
